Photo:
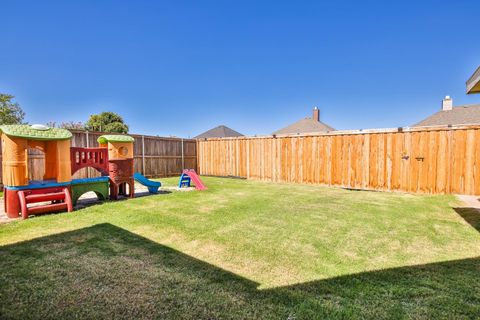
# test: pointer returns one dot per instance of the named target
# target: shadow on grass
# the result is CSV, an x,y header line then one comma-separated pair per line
x,y
107,272
83,203
470,215
139,194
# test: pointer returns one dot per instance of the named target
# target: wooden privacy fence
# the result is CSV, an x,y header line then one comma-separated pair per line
x,y
426,160
153,156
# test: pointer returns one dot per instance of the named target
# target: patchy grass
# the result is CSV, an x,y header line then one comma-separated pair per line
x,y
246,249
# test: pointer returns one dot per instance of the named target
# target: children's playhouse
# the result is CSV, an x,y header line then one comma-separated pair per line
x,y
57,191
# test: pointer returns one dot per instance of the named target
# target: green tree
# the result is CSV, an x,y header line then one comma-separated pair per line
x,y
107,122
10,112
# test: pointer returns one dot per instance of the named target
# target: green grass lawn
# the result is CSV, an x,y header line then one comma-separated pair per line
x,y
249,250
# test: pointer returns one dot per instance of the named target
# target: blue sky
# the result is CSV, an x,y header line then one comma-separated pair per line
x,y
182,67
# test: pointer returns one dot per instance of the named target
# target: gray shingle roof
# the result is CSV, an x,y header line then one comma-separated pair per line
x,y
306,125
219,132
468,114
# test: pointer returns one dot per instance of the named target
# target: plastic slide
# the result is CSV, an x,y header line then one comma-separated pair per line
x,y
194,178
151,185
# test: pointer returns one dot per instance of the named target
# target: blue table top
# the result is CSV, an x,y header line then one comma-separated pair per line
x,y
36,184
39,184
90,180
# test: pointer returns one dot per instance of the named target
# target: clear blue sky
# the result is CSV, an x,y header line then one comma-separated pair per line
x,y
182,67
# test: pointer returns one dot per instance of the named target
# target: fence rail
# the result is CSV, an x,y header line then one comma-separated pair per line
x,y
153,156
427,160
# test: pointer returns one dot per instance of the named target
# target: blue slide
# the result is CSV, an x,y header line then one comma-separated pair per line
x,y
151,185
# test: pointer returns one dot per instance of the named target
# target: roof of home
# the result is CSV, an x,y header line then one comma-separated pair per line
x,y
473,84
114,138
35,132
306,125
467,114
219,132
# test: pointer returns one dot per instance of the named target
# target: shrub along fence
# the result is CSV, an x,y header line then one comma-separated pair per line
x,y
423,160
153,156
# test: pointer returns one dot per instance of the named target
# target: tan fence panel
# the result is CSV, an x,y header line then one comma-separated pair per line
x,y
421,160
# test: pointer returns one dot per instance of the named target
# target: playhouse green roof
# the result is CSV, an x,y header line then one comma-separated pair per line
x,y
27,132
114,138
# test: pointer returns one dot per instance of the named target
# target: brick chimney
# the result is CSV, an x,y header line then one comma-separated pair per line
x,y
447,103
316,114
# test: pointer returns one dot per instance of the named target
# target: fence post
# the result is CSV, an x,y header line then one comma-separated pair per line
x,y
183,157
88,146
198,158
143,154
248,158
448,188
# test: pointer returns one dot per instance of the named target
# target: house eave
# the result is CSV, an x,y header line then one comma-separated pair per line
x,y
473,84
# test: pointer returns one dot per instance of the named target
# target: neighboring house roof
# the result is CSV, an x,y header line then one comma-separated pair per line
x,y
35,132
219,132
473,84
307,125
467,114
